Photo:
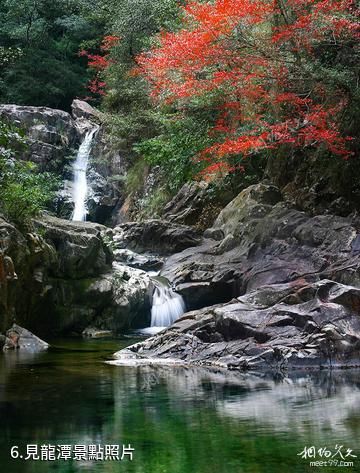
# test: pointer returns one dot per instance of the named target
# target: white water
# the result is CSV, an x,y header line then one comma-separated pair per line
x,y
80,187
167,306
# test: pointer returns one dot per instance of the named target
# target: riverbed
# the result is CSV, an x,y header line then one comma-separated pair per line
x,y
177,419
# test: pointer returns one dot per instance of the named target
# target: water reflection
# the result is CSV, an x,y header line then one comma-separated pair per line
x,y
180,420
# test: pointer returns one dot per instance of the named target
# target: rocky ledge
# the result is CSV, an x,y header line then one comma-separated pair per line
x,y
276,328
282,286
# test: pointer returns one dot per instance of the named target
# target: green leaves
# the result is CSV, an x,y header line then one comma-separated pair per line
x,y
23,191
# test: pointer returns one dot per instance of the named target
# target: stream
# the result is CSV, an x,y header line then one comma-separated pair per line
x,y
178,420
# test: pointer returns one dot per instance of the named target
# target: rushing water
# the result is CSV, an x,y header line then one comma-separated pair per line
x,y
167,305
179,420
80,187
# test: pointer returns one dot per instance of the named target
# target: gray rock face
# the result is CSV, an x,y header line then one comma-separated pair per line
x,y
60,279
53,138
79,247
18,338
275,328
258,240
81,109
284,288
155,235
147,262
51,134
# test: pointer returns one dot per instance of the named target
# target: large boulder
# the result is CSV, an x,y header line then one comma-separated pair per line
x,y
81,109
276,328
195,204
59,278
259,240
80,249
19,338
51,134
158,236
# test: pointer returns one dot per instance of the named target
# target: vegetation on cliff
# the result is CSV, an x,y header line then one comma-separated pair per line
x,y
24,192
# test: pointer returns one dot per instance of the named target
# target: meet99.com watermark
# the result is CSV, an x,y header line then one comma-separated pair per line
x,y
91,452
339,456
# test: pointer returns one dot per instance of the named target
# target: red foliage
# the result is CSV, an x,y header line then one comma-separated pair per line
x,y
255,72
100,62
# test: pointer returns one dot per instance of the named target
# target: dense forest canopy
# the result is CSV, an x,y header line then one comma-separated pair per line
x,y
203,89
39,44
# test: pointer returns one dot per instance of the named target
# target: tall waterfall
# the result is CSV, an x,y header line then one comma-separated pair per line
x,y
167,306
80,187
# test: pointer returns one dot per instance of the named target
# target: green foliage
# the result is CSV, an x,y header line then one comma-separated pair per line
x,y
39,41
135,22
24,192
152,205
135,176
175,148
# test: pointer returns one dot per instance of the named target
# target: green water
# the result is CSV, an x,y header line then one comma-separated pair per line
x,y
178,420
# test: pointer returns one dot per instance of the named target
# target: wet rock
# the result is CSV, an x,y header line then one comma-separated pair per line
x,y
93,332
264,242
19,338
121,299
51,134
266,330
158,236
144,261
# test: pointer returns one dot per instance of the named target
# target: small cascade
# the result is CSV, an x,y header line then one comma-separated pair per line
x,y
80,187
167,306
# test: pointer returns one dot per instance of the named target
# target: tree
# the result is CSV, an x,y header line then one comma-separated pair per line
x,y
49,34
274,72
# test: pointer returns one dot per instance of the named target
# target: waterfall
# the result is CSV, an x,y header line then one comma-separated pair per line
x,y
167,306
80,187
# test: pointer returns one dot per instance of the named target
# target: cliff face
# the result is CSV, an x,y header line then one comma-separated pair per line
x,y
60,279
53,138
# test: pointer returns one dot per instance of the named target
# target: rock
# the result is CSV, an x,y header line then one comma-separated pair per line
x,y
194,204
18,338
65,280
275,328
81,252
155,235
53,139
264,242
103,197
121,298
318,184
2,341
144,261
81,109
51,134
92,332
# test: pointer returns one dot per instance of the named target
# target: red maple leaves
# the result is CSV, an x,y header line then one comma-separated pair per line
x,y
99,62
252,57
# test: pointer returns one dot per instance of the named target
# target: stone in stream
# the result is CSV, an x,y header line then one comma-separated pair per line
x,y
93,332
19,338
276,328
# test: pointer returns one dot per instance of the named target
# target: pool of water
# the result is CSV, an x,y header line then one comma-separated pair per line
x,y
178,420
